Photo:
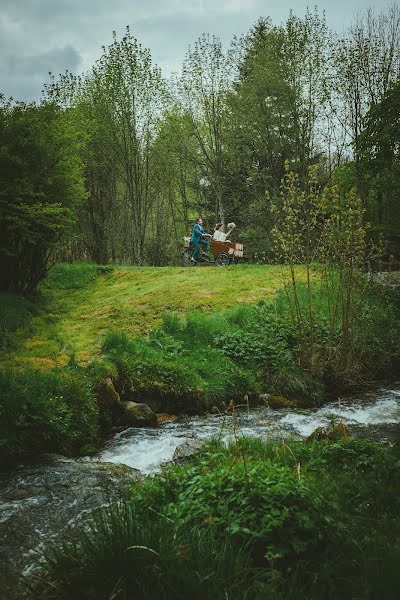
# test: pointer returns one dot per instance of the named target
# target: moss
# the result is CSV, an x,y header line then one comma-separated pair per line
x,y
281,402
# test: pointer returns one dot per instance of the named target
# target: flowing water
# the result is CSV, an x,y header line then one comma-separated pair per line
x,y
40,500
374,416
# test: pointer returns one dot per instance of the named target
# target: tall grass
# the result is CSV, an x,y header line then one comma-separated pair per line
x,y
73,276
249,521
123,555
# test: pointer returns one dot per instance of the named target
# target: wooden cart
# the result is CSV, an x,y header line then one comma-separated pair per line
x,y
225,253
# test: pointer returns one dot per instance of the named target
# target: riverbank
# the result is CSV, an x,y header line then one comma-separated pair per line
x,y
187,363
44,501
252,519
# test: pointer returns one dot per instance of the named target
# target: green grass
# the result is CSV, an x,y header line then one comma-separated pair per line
x,y
249,521
80,303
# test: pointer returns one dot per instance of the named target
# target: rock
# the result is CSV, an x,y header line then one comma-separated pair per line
x,y
165,418
41,502
190,402
187,450
277,401
334,431
106,393
134,414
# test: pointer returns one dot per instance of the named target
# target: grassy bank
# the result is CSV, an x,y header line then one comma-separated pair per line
x,y
79,304
250,521
181,340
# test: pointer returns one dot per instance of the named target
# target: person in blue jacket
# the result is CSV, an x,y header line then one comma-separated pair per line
x,y
197,238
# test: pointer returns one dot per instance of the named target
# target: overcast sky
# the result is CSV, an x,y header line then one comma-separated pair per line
x,y
38,36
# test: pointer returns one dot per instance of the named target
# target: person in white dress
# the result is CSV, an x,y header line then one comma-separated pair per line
x,y
219,232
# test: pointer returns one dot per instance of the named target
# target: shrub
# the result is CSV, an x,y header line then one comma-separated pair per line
x,y
198,377
15,312
261,503
243,521
45,411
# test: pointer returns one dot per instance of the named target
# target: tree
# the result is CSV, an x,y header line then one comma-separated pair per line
x,y
367,63
276,112
379,153
205,81
41,187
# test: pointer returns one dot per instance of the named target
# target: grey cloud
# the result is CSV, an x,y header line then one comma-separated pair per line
x,y
37,36
54,60
22,77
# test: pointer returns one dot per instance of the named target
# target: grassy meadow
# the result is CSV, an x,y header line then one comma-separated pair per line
x,y
79,304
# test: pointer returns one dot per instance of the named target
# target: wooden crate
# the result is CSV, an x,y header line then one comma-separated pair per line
x,y
232,248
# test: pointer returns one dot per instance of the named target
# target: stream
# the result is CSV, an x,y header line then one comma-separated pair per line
x,y
40,500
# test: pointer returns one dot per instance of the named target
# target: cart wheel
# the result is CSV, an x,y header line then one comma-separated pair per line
x,y
223,259
186,262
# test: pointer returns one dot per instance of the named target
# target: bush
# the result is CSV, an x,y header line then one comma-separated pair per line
x,y
15,312
285,518
195,378
251,520
45,411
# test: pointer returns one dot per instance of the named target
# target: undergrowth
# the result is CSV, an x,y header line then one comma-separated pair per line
x,y
248,521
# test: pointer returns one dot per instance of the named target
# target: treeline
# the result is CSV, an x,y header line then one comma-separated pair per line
x,y
113,165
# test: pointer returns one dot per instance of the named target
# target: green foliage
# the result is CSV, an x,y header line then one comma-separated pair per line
x,y
15,312
45,411
73,276
210,359
41,188
251,520
374,346
335,313
191,378
379,167
126,555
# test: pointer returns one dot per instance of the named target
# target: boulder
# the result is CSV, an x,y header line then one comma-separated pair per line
x,y
165,418
334,431
277,401
187,450
134,414
106,393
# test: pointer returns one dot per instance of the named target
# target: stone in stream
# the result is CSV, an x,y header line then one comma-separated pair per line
x,y
134,414
128,413
277,401
41,501
106,393
334,431
187,450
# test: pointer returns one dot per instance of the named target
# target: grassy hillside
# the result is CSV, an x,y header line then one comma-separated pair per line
x,y
79,304
181,340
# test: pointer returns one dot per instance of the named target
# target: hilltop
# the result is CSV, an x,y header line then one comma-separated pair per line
x,y
78,304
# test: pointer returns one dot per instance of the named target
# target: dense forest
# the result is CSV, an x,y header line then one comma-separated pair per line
x,y
113,165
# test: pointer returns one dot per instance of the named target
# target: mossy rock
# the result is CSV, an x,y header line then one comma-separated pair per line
x,y
134,414
278,401
332,433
